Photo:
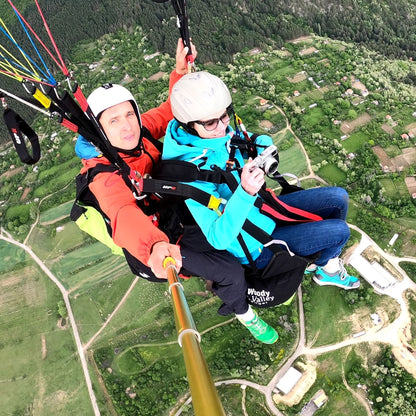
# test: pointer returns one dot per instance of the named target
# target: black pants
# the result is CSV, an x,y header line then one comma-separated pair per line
x,y
222,268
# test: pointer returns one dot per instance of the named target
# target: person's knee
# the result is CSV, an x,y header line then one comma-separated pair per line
x,y
341,194
343,231
230,272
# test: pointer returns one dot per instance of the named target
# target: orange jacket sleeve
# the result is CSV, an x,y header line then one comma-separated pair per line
x,y
156,120
132,229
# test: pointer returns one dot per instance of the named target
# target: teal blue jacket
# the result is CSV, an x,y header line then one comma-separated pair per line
x,y
222,227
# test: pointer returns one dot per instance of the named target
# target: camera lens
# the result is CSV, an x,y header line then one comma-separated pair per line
x,y
270,166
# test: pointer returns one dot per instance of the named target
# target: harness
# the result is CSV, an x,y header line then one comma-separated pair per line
x,y
163,197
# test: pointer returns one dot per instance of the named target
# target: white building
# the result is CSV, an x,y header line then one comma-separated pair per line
x,y
393,239
373,272
289,380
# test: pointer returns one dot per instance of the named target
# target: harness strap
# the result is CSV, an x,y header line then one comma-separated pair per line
x,y
271,205
186,172
157,186
19,129
182,23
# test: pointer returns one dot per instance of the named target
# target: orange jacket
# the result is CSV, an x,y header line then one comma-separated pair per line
x,y
132,229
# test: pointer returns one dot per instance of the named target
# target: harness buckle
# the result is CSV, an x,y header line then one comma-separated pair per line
x,y
3,101
230,164
136,179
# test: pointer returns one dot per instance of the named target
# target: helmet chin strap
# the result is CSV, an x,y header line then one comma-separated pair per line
x,y
188,128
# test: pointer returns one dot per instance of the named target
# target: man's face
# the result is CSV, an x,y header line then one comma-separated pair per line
x,y
121,125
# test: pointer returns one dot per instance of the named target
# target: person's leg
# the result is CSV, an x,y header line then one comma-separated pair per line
x,y
306,239
229,284
328,202
226,273
327,237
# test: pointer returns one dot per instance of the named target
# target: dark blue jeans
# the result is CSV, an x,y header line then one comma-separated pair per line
x,y
327,236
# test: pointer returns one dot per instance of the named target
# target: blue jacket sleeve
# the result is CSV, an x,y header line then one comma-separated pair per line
x,y
221,230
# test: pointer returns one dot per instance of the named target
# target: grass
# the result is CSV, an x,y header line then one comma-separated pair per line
x,y
394,189
332,174
355,141
334,319
56,213
327,322
291,160
313,116
34,380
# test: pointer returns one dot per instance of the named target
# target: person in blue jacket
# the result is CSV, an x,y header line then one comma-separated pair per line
x,y
200,133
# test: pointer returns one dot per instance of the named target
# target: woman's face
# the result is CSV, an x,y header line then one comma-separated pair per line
x,y
214,127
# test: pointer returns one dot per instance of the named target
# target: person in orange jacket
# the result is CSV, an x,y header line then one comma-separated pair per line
x,y
131,134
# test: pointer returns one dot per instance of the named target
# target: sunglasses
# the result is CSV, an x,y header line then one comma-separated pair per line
x,y
212,124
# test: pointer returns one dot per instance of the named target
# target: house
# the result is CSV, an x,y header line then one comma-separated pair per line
x,y
349,92
296,93
321,399
376,318
289,380
393,239
313,105
373,272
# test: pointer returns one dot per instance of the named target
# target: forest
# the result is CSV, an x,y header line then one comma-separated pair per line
x,y
220,29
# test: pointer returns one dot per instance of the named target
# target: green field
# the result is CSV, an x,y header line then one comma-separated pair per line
x,y
355,141
56,213
41,373
332,174
394,189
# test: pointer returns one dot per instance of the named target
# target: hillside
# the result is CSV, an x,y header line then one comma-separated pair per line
x,y
312,92
220,30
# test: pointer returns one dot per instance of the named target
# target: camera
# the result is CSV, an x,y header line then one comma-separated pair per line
x,y
268,160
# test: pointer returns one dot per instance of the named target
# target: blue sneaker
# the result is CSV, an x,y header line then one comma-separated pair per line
x,y
340,278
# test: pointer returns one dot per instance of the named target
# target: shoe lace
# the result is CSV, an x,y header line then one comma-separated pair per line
x,y
343,274
258,326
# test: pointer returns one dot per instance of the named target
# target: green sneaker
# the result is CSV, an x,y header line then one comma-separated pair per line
x,y
340,278
260,330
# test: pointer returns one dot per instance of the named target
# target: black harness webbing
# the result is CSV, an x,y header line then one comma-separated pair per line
x,y
19,129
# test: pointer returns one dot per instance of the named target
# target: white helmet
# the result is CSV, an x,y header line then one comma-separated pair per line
x,y
198,95
109,95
